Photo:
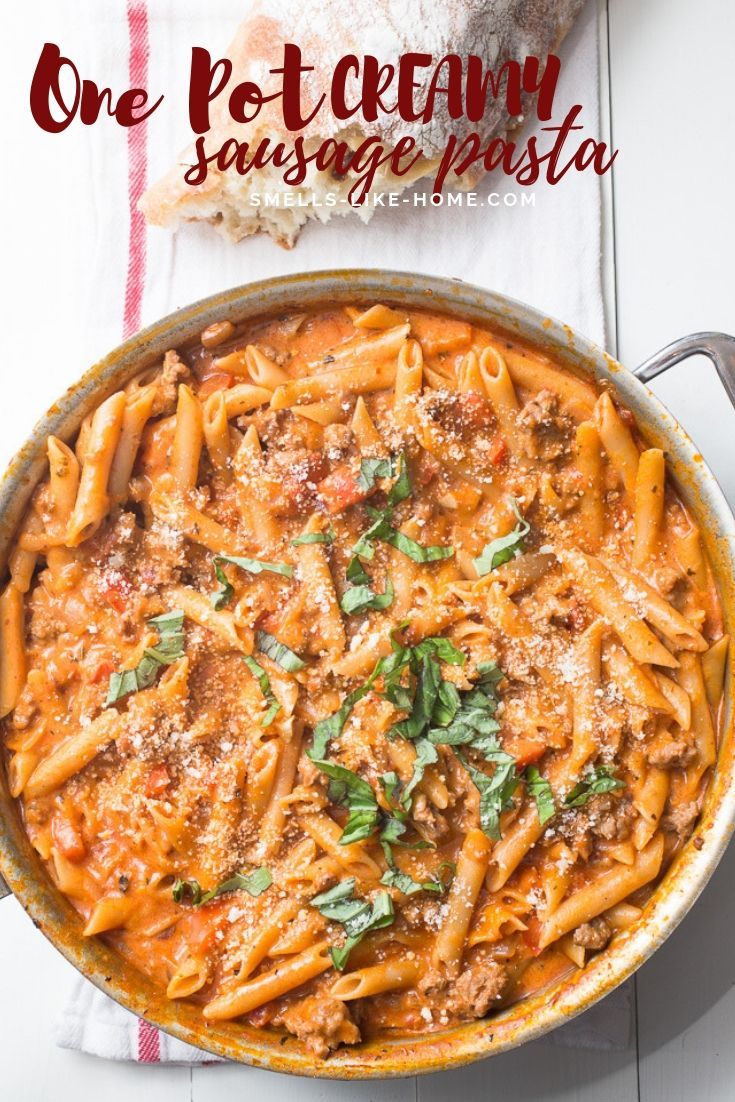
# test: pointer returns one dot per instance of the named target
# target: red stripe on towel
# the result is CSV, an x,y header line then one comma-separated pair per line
x,y
137,168
149,1043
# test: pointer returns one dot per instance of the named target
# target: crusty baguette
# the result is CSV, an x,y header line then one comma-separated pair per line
x,y
496,30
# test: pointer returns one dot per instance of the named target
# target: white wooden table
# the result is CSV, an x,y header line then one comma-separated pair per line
x,y
670,240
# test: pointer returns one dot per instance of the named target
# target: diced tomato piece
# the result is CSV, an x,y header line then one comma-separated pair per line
x,y
626,417
532,934
428,469
340,489
299,484
103,671
218,380
498,451
68,840
474,411
157,781
115,589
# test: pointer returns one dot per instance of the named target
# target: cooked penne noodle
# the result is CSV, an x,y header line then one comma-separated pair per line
x,y
13,659
93,501
617,441
408,381
471,870
588,460
391,975
137,412
714,661
606,890
270,985
649,505
607,599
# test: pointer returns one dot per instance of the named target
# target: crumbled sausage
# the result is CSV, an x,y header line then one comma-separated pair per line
x,y
173,372
670,753
679,819
593,935
477,988
321,1022
548,432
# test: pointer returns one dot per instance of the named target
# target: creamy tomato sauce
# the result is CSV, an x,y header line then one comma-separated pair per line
x,y
361,672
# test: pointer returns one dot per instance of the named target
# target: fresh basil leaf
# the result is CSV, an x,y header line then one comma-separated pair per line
x,y
183,888
540,790
401,488
394,878
413,550
331,727
168,649
360,598
356,573
379,915
314,537
391,785
265,687
441,648
357,916
340,891
254,883
223,595
597,781
504,548
490,676
352,792
278,652
373,469
496,791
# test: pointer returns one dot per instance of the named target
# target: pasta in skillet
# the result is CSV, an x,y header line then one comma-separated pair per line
x,y
361,672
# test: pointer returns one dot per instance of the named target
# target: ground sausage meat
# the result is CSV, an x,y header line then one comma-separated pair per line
x,y
322,1023
592,935
671,753
476,990
679,819
548,432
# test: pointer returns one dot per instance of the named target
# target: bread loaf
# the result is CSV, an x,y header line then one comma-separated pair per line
x,y
326,30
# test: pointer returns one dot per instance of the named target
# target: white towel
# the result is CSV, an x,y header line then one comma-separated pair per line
x,y
115,275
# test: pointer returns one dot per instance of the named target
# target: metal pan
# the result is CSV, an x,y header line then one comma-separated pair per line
x,y
691,870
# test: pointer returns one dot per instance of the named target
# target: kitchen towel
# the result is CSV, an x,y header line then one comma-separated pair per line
x,y
543,247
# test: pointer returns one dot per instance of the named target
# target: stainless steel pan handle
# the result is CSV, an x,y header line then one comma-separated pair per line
x,y
719,347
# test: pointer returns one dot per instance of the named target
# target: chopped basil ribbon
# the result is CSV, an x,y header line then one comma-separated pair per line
x,y
254,883
598,780
496,792
395,467
356,573
394,878
371,470
265,687
504,548
540,791
470,721
357,916
278,652
314,537
381,530
360,598
223,595
352,792
169,648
